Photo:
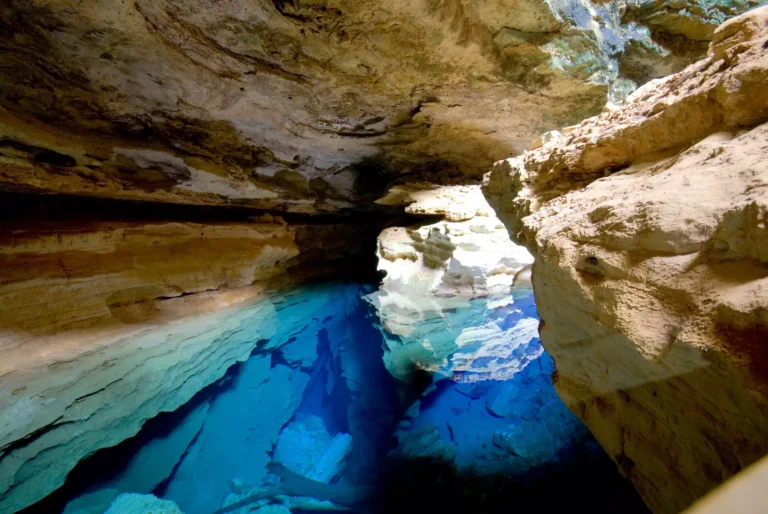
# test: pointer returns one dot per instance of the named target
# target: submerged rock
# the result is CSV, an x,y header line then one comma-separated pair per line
x,y
236,438
130,503
648,226
152,464
306,447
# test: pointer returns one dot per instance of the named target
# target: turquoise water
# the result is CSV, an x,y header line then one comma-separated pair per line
x,y
314,421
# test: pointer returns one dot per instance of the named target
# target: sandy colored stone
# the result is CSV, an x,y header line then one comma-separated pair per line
x,y
743,494
305,105
648,223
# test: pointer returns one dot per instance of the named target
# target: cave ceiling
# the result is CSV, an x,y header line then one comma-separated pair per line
x,y
311,106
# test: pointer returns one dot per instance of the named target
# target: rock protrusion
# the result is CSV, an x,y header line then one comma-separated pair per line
x,y
648,226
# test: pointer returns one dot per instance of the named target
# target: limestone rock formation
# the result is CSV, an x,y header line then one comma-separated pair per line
x,y
104,325
307,105
435,268
142,504
187,117
648,223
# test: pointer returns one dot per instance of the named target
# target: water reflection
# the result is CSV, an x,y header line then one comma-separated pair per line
x,y
314,420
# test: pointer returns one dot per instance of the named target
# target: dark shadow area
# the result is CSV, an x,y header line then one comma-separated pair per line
x,y
108,463
588,483
28,207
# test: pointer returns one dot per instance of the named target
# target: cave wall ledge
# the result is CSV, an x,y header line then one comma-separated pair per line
x,y
648,225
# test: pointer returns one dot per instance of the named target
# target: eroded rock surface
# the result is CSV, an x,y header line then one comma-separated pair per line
x,y
105,325
142,504
306,105
435,268
314,107
648,223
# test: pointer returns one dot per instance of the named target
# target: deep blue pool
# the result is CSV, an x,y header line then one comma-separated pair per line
x,y
313,421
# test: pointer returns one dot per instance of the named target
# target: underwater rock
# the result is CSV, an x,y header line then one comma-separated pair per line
x,y
94,502
510,427
272,509
306,447
298,491
270,498
153,463
424,442
236,439
156,461
131,503
648,227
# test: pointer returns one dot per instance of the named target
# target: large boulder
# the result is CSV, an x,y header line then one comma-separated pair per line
x,y
648,224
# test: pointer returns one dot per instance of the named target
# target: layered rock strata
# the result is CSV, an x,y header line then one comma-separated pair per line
x,y
105,325
309,105
648,223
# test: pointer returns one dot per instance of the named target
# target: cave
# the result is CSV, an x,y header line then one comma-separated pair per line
x,y
419,256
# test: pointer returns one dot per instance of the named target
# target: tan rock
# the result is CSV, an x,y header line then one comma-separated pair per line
x,y
295,105
648,228
743,494
105,325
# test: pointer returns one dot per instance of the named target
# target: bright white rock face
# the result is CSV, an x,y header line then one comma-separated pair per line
x,y
437,268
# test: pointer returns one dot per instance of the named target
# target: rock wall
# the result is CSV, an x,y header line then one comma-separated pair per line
x,y
648,227
739,495
313,107
437,268
314,399
105,325
308,105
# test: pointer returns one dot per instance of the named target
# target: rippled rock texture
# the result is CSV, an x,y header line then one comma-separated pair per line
x,y
104,325
311,402
648,223
311,105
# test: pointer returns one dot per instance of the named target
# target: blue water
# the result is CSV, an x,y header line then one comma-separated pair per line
x,y
318,399
510,425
